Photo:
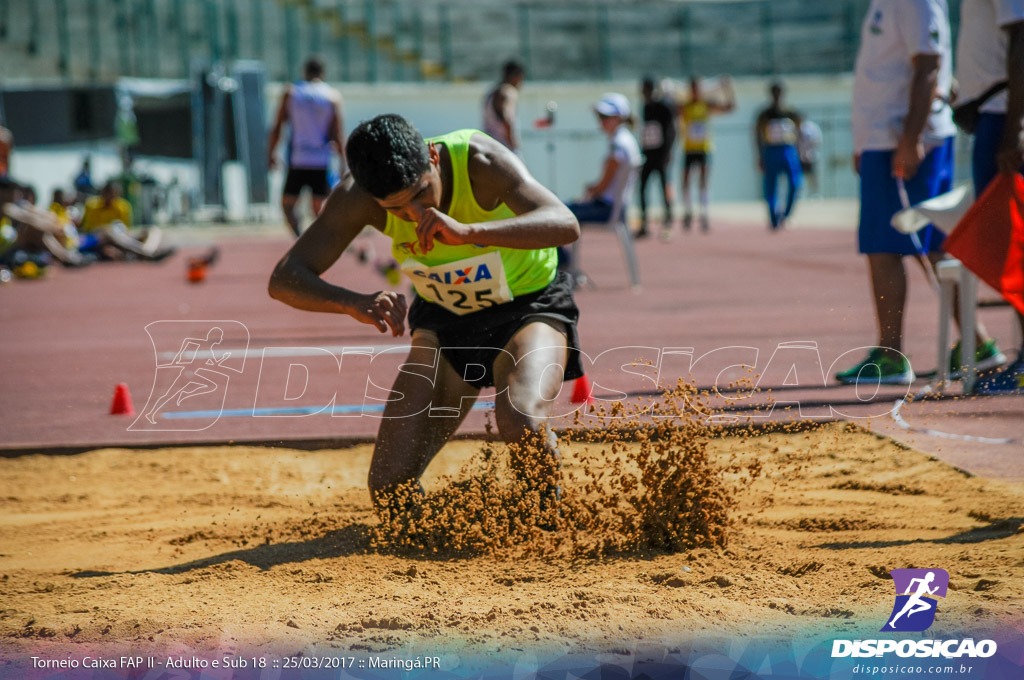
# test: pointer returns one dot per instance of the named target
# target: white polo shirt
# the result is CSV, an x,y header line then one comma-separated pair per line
x,y
626,151
981,48
895,31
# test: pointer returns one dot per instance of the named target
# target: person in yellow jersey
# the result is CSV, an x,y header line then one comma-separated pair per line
x,y
104,229
32,230
695,133
476,235
68,219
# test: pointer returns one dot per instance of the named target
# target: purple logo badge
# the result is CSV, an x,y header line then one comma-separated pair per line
x,y
916,590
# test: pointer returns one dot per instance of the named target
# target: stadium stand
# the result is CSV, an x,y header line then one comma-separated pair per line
x,y
82,41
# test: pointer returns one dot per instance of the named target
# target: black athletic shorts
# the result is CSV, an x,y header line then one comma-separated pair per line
x,y
477,338
694,158
314,178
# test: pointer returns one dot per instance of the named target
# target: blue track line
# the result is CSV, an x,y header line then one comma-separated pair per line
x,y
294,411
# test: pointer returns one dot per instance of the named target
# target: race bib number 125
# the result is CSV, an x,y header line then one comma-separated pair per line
x,y
463,286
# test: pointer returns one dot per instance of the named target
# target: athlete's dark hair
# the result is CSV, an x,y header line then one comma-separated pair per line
x,y
313,68
386,154
512,68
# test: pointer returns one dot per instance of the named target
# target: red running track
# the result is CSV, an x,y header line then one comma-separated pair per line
x,y
70,338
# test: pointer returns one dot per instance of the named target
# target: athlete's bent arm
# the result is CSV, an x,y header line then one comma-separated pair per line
x,y
296,279
611,168
275,132
910,150
730,98
759,137
337,127
497,176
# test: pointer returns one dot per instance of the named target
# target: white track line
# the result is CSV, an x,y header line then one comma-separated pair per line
x,y
937,433
287,351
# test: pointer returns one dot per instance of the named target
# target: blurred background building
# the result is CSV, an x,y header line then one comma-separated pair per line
x,y
201,78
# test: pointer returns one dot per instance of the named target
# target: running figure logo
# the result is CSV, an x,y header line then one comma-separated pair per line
x,y
916,590
193,360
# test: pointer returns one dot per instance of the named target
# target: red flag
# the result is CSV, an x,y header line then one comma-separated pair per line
x,y
989,240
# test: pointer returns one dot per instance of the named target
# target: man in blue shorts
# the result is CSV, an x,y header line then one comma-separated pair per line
x,y
777,133
902,130
990,70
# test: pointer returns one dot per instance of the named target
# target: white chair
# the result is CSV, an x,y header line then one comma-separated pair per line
x,y
617,223
945,211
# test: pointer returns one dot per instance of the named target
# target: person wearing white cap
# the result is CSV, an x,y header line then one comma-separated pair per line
x,y
614,116
624,155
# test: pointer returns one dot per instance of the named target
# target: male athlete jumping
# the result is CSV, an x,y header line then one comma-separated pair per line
x,y
476,234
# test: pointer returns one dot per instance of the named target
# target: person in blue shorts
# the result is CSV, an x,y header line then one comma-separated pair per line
x,y
778,131
990,70
902,132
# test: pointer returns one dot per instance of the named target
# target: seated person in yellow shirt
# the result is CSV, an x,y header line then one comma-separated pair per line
x,y
104,229
31,229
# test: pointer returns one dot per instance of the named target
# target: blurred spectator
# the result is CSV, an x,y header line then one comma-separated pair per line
x,y
314,111
104,229
695,116
501,106
615,119
35,232
777,133
6,146
808,144
83,180
657,138
902,131
990,52
59,205
106,209
63,208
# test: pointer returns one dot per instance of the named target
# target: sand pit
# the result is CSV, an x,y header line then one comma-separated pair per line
x,y
238,548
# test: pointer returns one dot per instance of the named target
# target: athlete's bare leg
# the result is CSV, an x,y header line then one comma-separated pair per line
x,y
687,206
291,214
527,379
410,436
704,195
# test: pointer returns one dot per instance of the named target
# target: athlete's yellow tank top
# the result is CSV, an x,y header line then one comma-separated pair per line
x,y
696,129
527,271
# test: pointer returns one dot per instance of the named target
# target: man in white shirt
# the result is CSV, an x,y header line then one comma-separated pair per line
x,y
902,130
990,51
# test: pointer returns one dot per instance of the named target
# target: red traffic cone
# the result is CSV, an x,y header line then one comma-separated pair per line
x,y
196,271
122,403
582,391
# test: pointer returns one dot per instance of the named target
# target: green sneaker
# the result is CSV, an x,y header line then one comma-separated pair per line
x,y
878,368
986,357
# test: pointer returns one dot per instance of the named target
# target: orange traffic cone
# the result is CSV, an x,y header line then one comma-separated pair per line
x,y
198,265
122,403
582,391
